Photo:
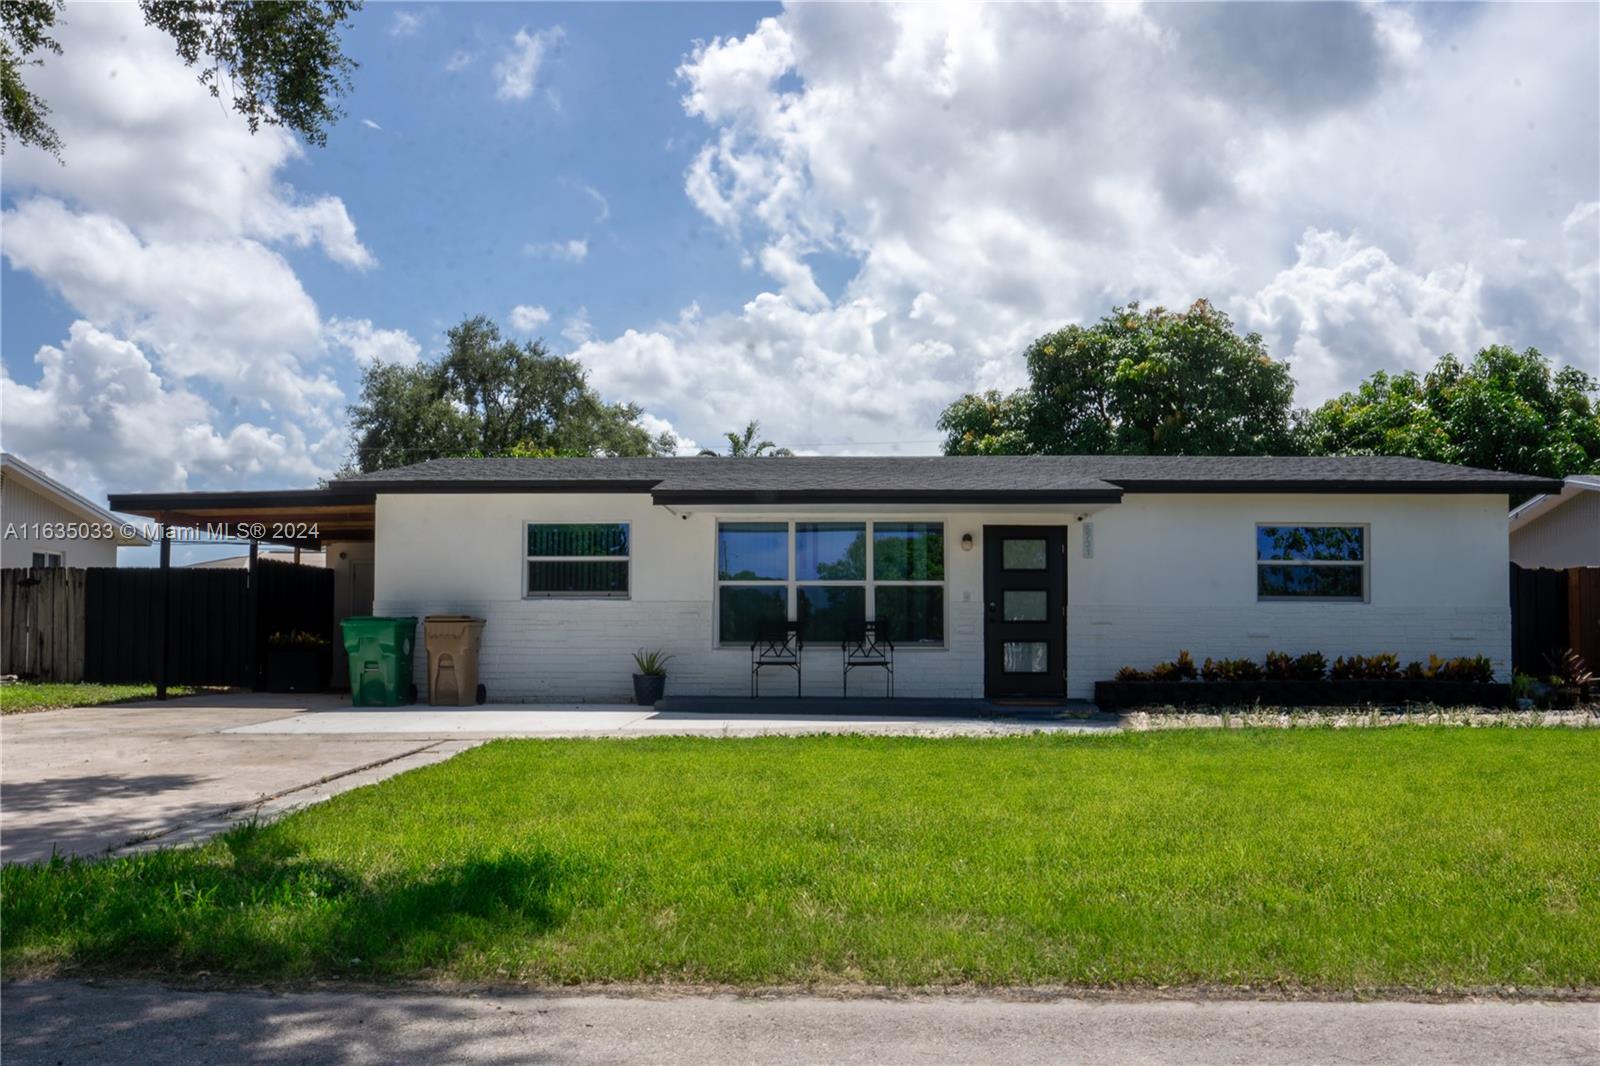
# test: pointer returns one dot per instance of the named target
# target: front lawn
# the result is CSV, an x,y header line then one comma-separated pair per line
x,y
19,696
1332,859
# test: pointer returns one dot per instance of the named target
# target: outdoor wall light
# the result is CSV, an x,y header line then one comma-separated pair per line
x,y
966,542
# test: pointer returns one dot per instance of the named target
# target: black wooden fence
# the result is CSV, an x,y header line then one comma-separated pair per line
x,y
215,623
1552,611
210,636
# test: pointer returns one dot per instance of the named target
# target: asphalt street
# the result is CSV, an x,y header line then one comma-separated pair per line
x,y
75,1022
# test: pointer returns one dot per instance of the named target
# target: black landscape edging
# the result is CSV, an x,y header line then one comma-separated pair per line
x,y
1109,695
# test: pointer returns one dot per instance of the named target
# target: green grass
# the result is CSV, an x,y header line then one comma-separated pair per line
x,y
21,696
1334,859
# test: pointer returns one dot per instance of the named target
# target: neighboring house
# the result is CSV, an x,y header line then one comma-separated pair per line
x,y
999,576
44,523
1559,529
242,562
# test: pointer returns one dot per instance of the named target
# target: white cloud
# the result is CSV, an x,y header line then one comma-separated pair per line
x,y
526,318
518,69
1374,187
368,344
228,311
460,60
576,250
405,23
576,329
145,146
196,346
102,418
600,201
371,125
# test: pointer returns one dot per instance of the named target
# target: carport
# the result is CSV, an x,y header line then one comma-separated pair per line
x,y
296,518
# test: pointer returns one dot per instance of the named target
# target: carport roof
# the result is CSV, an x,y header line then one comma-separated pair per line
x,y
273,515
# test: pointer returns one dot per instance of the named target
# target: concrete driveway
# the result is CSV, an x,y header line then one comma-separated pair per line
x,y
88,781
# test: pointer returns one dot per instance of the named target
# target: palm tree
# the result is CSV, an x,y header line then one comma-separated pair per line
x,y
745,446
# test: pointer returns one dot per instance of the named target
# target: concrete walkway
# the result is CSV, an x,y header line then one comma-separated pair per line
x,y
97,780
53,1022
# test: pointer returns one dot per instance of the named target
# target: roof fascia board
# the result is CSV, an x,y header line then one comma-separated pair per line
x,y
702,497
1427,488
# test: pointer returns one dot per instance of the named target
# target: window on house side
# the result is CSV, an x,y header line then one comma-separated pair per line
x,y
587,560
1311,563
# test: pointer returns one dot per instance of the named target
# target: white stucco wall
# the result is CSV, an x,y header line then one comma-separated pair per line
x,y
1167,572
22,509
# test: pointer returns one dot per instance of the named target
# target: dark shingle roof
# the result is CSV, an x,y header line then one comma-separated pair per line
x,y
998,479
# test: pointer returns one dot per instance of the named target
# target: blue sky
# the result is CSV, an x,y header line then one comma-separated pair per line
x,y
833,218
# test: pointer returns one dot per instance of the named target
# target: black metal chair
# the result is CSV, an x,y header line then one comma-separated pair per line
x,y
776,644
863,647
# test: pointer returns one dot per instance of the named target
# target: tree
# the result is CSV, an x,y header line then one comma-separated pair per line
x,y
281,60
743,445
1156,382
490,396
1506,410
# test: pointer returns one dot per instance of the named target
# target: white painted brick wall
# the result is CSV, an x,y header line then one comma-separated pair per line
x,y
581,651
1167,573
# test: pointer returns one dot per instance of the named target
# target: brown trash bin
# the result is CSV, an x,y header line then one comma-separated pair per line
x,y
453,641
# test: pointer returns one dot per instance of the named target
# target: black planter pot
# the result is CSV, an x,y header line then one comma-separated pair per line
x,y
647,688
299,667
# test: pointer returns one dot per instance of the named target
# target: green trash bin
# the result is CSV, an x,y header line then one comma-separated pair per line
x,y
380,660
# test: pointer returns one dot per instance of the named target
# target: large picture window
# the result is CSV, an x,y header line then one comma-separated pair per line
x,y
1311,563
827,575
578,560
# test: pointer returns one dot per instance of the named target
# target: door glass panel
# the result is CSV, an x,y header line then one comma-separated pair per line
x,y
1025,605
1025,657
1022,554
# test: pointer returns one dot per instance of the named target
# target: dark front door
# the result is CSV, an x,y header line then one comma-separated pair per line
x,y
1024,591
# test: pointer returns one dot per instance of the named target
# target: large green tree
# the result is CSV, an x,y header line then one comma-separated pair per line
x,y
1505,410
490,396
281,60
1153,382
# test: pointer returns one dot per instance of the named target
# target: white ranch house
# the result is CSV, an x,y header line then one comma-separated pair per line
x,y
994,576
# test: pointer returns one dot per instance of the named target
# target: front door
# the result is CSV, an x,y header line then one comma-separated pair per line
x,y
1024,591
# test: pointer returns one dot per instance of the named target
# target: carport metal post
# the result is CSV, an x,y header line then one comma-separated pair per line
x,y
257,654
166,612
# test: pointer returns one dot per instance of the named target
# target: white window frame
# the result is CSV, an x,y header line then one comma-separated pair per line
x,y
792,583
60,560
528,559
1365,564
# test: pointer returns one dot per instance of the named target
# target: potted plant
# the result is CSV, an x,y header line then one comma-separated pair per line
x,y
651,679
298,661
1571,677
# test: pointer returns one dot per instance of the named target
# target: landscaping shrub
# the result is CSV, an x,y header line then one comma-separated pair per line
x,y
1180,669
1461,668
1384,666
1282,666
1313,666
1231,670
